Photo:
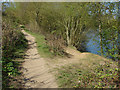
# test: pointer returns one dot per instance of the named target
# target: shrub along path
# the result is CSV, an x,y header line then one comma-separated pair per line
x,y
36,72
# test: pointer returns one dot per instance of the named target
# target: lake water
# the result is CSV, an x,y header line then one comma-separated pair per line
x,y
93,44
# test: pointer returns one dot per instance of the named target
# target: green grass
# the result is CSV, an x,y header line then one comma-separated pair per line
x,y
42,47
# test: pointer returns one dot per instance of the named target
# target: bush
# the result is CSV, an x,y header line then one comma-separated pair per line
x,y
13,46
56,44
22,26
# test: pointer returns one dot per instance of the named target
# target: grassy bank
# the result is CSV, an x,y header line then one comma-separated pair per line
x,y
42,47
91,75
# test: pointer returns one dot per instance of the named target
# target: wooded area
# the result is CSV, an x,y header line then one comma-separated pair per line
x,y
62,24
70,22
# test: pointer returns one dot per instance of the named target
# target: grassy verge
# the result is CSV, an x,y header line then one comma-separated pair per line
x,y
81,76
42,47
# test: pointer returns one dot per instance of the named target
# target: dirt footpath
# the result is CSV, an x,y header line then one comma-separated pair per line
x,y
36,72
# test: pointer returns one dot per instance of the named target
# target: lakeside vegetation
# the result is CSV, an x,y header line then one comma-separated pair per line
x,y
56,26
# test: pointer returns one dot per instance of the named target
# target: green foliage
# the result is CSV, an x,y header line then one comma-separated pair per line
x,y
54,26
10,69
104,15
111,43
71,21
22,26
14,45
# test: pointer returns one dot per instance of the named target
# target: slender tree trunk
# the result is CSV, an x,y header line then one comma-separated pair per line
x,y
100,28
71,30
67,34
118,47
100,33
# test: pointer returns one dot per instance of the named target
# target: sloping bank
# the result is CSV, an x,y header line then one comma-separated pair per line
x,y
81,70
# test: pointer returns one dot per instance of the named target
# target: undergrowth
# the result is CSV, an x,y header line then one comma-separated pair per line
x,y
103,76
14,45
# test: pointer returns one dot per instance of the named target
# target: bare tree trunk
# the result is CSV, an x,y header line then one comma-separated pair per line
x,y
67,34
66,24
